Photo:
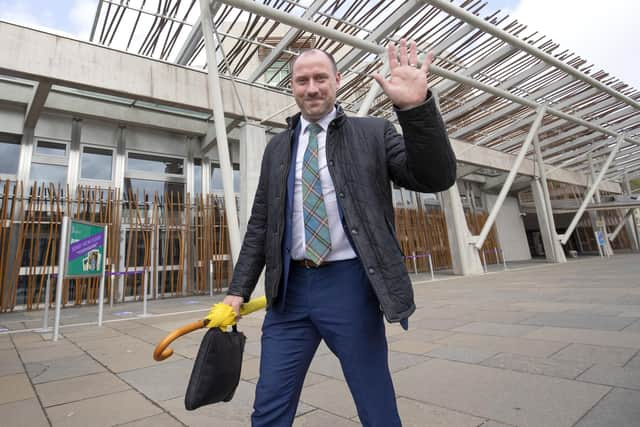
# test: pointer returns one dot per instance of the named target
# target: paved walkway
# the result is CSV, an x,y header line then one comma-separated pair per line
x,y
549,345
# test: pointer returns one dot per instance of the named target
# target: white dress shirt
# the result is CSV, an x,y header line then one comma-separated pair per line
x,y
340,247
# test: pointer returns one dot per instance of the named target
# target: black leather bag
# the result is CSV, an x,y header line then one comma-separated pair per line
x,y
216,371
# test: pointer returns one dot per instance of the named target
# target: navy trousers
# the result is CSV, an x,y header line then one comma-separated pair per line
x,y
334,303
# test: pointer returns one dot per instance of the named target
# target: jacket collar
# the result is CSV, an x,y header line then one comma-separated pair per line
x,y
293,121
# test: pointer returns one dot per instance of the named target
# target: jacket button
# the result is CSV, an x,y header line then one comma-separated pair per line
x,y
331,163
341,195
354,231
372,270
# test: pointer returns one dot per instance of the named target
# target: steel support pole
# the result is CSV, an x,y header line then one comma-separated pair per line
x,y
478,241
623,222
47,299
374,90
587,199
597,217
557,252
221,131
104,273
62,253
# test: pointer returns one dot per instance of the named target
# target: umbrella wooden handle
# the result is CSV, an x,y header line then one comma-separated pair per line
x,y
163,351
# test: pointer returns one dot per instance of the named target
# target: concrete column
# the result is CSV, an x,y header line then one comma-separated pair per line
x,y
26,154
630,226
552,248
189,169
121,161
73,165
464,256
597,215
253,141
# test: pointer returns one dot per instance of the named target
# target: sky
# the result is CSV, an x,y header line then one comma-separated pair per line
x,y
604,33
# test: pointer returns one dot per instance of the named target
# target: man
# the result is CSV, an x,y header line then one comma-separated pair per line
x,y
322,223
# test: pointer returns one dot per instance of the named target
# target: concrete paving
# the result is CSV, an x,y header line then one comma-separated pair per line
x,y
543,345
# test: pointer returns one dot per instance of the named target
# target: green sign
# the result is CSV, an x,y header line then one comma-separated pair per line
x,y
85,256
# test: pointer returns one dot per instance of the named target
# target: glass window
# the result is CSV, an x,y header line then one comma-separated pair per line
x,y
96,163
197,176
216,178
43,172
155,164
9,156
277,72
51,148
146,189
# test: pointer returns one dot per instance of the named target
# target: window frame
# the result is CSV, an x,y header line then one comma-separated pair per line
x,y
13,140
82,179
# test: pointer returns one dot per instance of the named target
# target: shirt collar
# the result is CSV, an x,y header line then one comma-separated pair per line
x,y
323,122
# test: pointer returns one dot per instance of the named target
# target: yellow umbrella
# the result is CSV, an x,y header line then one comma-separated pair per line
x,y
220,316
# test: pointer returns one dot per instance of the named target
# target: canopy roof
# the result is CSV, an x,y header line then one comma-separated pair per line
x,y
526,69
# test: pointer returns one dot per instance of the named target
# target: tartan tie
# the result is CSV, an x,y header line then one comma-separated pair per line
x,y
316,221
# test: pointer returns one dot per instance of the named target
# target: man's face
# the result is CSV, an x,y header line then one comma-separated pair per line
x,y
314,85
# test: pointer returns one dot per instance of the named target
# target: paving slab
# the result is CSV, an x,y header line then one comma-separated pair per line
x,y
418,414
6,343
504,396
313,379
250,369
236,413
119,342
15,387
103,411
614,376
412,346
79,388
496,316
10,363
634,362
162,382
493,344
577,320
329,365
50,351
595,354
128,358
185,348
20,340
320,418
331,395
437,324
424,335
460,354
620,408
148,334
537,365
58,369
585,336
23,413
162,420
87,333
497,329
634,327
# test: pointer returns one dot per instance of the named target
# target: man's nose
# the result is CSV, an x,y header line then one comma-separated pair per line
x,y
312,88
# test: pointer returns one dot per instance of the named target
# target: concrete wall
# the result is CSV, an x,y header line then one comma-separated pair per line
x,y
105,133
510,228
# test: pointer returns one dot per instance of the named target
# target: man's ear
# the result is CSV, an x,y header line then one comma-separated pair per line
x,y
338,79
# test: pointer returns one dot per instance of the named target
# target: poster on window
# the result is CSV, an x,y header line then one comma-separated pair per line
x,y
85,256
